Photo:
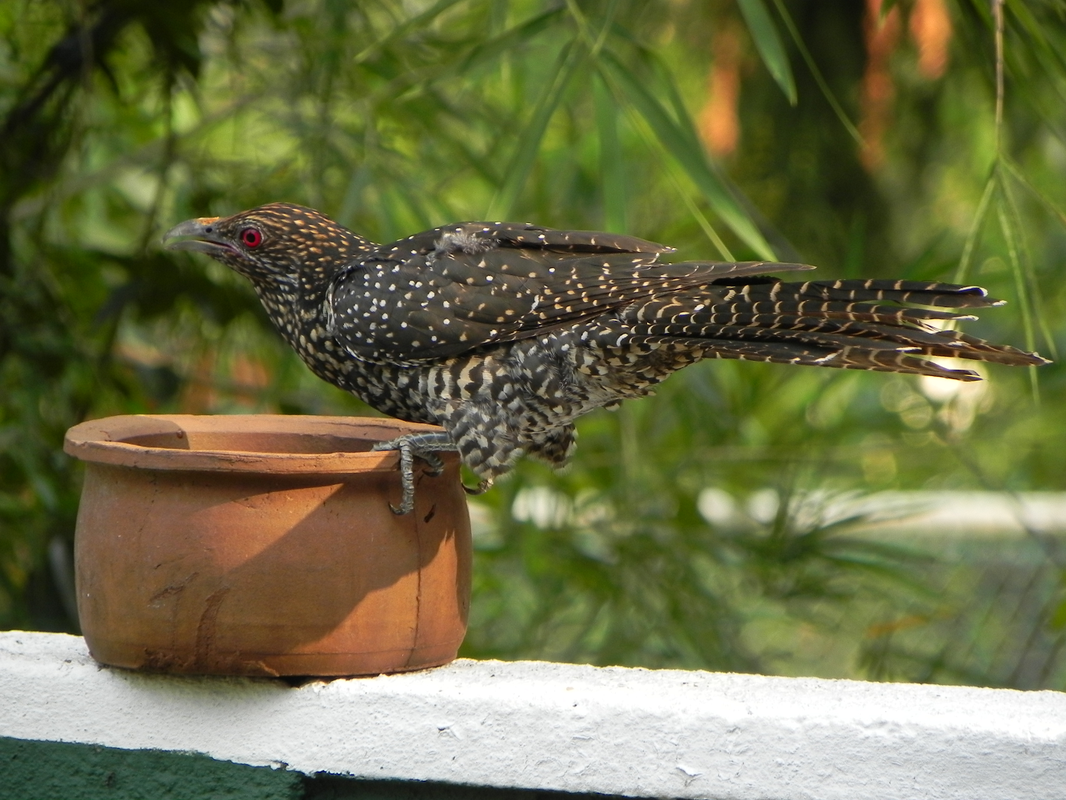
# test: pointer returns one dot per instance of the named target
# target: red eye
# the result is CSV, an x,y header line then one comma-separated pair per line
x,y
251,237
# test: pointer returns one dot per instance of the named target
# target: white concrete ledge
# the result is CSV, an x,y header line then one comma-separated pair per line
x,y
555,726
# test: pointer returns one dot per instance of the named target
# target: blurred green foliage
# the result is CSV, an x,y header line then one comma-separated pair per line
x,y
866,142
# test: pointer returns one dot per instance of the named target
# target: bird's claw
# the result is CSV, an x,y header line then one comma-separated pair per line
x,y
481,488
423,445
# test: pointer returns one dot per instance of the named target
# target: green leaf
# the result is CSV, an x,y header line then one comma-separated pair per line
x,y
1022,265
491,49
966,259
1019,176
768,43
415,23
816,73
682,144
612,165
514,179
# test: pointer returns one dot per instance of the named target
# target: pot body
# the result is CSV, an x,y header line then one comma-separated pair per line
x,y
261,545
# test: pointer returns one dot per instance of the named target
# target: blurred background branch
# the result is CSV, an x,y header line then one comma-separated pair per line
x,y
921,139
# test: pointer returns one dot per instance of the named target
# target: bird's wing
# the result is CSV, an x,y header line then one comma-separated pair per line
x,y
443,292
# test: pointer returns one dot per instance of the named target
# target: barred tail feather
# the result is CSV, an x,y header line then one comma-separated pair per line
x,y
923,293
849,324
886,360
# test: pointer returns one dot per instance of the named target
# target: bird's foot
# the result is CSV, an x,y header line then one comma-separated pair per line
x,y
423,445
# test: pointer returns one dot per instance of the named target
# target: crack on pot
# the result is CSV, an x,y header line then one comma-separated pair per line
x,y
171,590
205,630
166,562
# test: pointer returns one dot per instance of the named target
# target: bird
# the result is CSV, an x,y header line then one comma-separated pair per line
x,y
503,334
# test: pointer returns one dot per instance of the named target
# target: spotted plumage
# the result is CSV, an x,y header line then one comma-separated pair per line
x,y
504,334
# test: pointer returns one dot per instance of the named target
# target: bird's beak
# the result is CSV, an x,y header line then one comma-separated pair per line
x,y
197,234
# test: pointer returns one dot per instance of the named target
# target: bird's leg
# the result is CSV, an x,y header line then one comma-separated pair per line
x,y
423,445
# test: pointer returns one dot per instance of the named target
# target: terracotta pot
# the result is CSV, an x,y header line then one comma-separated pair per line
x,y
264,545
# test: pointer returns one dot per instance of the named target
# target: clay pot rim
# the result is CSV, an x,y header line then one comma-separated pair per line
x,y
106,441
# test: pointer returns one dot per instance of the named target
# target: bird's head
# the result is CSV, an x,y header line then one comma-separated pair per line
x,y
272,244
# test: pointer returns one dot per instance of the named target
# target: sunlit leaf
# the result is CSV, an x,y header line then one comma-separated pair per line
x,y
681,144
558,80
768,43
612,160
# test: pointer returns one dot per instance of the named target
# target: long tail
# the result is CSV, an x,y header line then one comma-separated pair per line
x,y
848,324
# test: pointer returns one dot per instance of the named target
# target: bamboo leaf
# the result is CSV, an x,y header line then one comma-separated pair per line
x,y
414,23
1007,227
521,163
704,223
681,145
1019,176
975,229
669,91
1022,264
491,49
612,166
768,43
817,73
1036,30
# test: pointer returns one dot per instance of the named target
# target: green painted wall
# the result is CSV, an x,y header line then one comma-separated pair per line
x,y
32,770
57,771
